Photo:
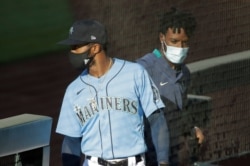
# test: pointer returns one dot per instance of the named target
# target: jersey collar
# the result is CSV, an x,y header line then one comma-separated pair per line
x,y
157,53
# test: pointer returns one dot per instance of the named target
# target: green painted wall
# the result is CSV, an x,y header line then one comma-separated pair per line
x,y
29,28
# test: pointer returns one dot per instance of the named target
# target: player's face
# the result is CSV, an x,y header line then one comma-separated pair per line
x,y
78,49
175,39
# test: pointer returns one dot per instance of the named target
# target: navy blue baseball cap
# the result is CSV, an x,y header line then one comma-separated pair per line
x,y
84,32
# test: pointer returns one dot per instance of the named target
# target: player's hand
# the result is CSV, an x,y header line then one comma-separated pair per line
x,y
199,134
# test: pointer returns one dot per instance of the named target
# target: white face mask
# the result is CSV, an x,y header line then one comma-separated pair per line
x,y
175,55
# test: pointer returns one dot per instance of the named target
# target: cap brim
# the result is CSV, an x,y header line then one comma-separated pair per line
x,y
71,42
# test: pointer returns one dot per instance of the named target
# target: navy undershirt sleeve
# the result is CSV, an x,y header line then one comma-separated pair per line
x,y
160,135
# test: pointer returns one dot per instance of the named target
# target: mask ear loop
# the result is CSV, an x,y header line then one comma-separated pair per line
x,y
163,45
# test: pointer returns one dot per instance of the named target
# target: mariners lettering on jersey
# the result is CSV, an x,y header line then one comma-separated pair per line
x,y
84,113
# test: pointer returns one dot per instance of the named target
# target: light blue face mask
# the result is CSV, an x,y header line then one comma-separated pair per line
x,y
176,55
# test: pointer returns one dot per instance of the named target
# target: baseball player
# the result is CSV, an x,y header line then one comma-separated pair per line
x,y
168,71
103,110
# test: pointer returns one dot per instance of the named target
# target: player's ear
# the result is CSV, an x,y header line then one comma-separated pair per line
x,y
96,48
161,37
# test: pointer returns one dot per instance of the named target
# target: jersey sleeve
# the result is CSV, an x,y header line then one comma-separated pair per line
x,y
67,122
149,94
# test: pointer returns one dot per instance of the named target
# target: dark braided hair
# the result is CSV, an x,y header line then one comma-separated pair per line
x,y
176,20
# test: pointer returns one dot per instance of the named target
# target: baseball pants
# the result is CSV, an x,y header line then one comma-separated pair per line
x,y
130,161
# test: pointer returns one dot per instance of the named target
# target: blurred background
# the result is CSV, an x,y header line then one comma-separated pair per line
x,y
35,70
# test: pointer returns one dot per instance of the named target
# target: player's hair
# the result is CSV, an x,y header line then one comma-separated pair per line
x,y
176,20
105,47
